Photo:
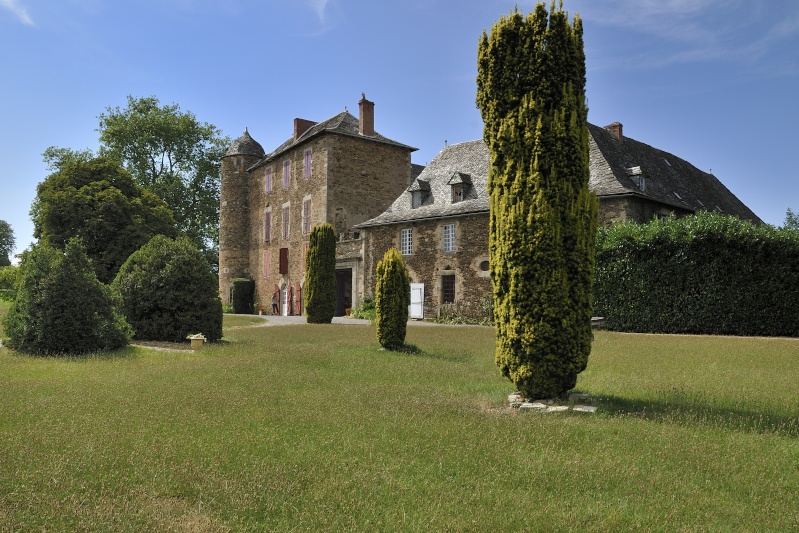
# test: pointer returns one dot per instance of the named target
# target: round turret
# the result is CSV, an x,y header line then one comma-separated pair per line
x,y
234,212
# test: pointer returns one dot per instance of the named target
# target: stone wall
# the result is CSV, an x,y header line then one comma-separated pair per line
x,y
633,208
428,263
364,178
352,180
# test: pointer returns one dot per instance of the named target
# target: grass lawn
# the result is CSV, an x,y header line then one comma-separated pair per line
x,y
312,427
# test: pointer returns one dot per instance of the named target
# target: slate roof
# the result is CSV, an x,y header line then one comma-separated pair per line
x,y
617,169
469,159
245,145
342,124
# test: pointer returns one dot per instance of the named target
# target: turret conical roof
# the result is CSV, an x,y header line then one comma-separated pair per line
x,y
246,145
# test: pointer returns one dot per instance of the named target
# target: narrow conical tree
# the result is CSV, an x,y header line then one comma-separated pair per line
x,y
319,291
531,94
392,298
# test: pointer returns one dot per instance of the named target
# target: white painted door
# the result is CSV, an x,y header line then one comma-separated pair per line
x,y
416,309
285,301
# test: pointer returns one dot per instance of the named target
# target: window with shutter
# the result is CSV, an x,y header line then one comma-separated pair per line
x,y
284,260
267,259
286,173
268,225
306,216
268,180
306,169
285,222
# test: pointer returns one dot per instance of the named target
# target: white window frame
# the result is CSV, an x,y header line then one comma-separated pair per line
x,y
406,241
286,210
448,238
268,226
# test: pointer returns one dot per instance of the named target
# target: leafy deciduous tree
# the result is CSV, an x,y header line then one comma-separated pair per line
x,y
61,307
171,153
7,243
98,201
392,298
319,291
531,94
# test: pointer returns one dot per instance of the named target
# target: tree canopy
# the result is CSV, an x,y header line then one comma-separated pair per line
x,y
168,152
171,153
98,201
531,94
7,243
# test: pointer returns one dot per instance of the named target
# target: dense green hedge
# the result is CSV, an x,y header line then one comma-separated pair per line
x,y
708,273
243,296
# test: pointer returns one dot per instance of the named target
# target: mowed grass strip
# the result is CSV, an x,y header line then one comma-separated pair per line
x,y
314,427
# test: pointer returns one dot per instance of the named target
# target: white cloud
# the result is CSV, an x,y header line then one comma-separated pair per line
x,y
319,7
690,31
18,10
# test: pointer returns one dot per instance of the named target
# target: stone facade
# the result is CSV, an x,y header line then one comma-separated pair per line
x,y
343,172
428,263
327,172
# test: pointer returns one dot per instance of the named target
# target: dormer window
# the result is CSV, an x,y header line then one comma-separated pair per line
x,y
637,176
457,193
459,183
419,190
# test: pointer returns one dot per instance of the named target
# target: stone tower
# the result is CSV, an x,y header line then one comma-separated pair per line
x,y
234,212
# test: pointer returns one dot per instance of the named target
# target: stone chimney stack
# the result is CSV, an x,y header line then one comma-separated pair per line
x,y
366,121
301,126
615,130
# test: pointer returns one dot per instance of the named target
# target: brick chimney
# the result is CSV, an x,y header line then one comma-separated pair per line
x,y
615,130
301,126
366,121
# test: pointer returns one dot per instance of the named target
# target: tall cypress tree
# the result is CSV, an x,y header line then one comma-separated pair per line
x,y
531,94
319,291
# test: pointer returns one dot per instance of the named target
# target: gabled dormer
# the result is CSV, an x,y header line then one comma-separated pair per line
x,y
459,183
420,191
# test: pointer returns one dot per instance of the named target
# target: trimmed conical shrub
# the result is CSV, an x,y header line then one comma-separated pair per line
x,y
61,308
319,291
531,94
392,298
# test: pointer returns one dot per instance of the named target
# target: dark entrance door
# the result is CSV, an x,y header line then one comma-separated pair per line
x,y
343,291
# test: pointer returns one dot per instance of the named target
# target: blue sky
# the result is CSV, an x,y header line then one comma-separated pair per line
x,y
715,82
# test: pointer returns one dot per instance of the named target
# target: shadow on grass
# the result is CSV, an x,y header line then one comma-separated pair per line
x,y
692,410
415,351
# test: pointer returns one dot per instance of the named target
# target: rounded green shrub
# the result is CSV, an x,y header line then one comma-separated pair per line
x,y
319,291
169,292
61,308
392,298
